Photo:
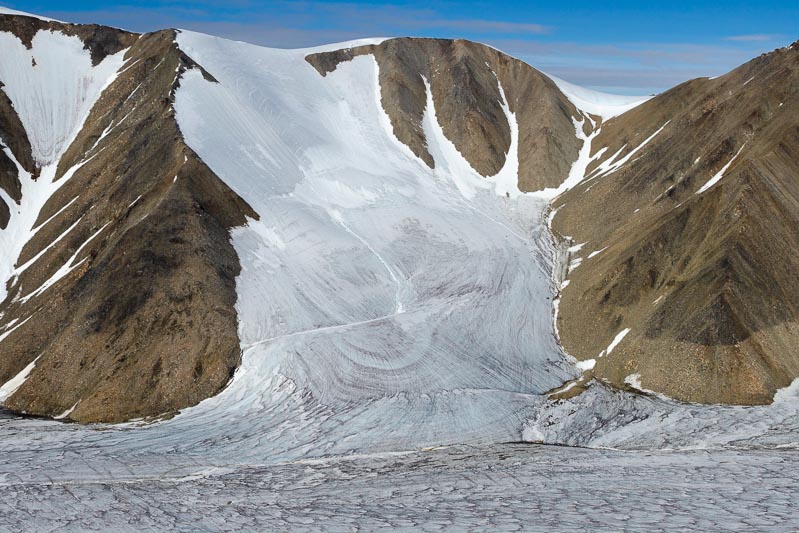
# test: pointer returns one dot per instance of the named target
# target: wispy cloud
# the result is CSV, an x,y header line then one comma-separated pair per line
x,y
294,24
634,66
487,26
313,16
755,37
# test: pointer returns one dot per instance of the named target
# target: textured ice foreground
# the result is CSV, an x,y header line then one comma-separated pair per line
x,y
501,488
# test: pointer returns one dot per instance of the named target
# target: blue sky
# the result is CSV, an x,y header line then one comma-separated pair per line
x,y
627,47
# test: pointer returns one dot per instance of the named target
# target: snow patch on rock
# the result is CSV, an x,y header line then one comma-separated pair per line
x,y
53,87
788,394
720,174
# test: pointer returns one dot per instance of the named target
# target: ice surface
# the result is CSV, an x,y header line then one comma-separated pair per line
x,y
509,487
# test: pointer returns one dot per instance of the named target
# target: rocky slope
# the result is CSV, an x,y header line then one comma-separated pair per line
x,y
685,277
119,299
466,80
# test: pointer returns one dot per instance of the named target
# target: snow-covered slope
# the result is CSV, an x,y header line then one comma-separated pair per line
x,y
598,103
53,87
385,301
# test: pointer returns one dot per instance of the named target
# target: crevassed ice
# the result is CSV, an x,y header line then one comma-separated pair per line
x,y
392,305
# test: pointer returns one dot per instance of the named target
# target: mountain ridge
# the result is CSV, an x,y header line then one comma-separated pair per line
x,y
171,251
709,203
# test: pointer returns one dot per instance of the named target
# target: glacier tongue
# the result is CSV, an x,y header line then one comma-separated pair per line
x,y
379,307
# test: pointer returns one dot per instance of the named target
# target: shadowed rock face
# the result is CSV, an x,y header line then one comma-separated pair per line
x,y
463,78
705,281
145,323
12,135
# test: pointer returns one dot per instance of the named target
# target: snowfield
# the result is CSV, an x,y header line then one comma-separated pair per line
x,y
397,305
53,87
605,105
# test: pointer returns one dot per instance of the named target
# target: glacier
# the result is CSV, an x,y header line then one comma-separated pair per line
x,y
401,303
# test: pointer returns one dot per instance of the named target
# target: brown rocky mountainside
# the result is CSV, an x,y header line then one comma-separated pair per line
x,y
691,242
144,224
463,79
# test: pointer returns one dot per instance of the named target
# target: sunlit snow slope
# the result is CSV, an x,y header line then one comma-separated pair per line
x,y
379,301
598,103
53,87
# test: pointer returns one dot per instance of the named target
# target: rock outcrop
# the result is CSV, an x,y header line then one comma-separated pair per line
x,y
689,217
465,80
